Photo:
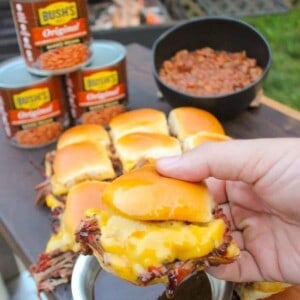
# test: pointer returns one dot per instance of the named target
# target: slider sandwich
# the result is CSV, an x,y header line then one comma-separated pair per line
x,y
76,163
186,121
135,147
138,120
196,139
55,264
73,161
84,132
156,229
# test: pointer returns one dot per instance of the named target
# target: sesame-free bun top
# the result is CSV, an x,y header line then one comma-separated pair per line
x,y
138,120
201,137
134,147
144,194
84,132
78,162
81,197
185,121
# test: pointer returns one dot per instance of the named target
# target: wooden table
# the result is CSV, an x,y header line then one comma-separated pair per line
x,y
26,228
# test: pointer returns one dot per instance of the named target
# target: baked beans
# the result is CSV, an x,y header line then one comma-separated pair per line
x,y
206,72
64,57
102,116
40,135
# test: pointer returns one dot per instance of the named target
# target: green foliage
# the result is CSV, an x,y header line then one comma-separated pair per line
x,y
283,33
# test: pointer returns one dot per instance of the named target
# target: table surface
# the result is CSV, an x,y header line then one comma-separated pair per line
x,y
27,228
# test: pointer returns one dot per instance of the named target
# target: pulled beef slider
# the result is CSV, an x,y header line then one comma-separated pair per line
x,y
138,120
54,266
156,229
84,132
196,139
134,147
186,121
78,162
79,133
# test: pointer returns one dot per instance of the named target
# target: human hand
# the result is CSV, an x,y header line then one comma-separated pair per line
x,y
257,182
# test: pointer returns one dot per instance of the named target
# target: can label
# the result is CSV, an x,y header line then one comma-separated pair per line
x,y
97,95
34,116
52,35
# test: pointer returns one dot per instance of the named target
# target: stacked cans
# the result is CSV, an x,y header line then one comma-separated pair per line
x,y
62,77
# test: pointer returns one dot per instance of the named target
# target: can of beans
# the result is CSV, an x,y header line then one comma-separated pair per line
x,y
32,108
53,36
98,91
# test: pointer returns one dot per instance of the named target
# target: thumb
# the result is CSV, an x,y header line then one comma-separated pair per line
x,y
244,160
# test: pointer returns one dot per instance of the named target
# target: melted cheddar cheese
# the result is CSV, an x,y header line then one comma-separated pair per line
x,y
64,240
130,246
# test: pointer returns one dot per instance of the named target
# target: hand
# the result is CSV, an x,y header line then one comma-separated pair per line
x,y
257,182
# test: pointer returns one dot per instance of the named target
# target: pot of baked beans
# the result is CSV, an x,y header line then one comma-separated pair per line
x,y
215,63
32,108
98,92
53,36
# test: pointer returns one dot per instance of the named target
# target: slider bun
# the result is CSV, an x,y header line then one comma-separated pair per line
x,y
143,194
201,137
84,132
185,121
78,162
81,197
138,120
134,147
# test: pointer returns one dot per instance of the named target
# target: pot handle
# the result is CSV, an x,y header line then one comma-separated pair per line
x,y
84,275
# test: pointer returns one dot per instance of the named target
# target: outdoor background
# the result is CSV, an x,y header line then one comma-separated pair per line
x,y
283,33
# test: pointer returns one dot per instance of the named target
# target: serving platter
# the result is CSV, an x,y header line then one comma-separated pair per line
x,y
27,228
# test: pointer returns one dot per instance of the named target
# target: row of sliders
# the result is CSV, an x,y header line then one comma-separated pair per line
x,y
88,157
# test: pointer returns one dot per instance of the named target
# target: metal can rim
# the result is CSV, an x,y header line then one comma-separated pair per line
x,y
18,60
99,45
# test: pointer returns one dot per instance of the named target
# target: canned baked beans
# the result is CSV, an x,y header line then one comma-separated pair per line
x,y
32,108
53,36
98,91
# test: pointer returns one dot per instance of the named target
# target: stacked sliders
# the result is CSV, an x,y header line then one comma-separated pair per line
x,y
156,229
89,154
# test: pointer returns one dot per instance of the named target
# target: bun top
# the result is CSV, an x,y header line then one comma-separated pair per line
x,y
138,120
85,160
201,137
81,197
133,147
185,121
144,194
83,132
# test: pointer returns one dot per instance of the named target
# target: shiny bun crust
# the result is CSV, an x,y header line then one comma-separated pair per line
x,y
185,121
138,120
83,132
80,161
133,147
201,137
83,196
143,194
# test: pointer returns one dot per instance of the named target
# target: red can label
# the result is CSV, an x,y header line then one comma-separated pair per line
x,y
34,116
52,35
97,95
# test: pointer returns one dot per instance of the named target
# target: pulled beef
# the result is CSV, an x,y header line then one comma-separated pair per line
x,y
44,188
88,235
52,269
55,217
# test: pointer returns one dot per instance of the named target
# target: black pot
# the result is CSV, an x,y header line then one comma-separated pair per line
x,y
219,33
